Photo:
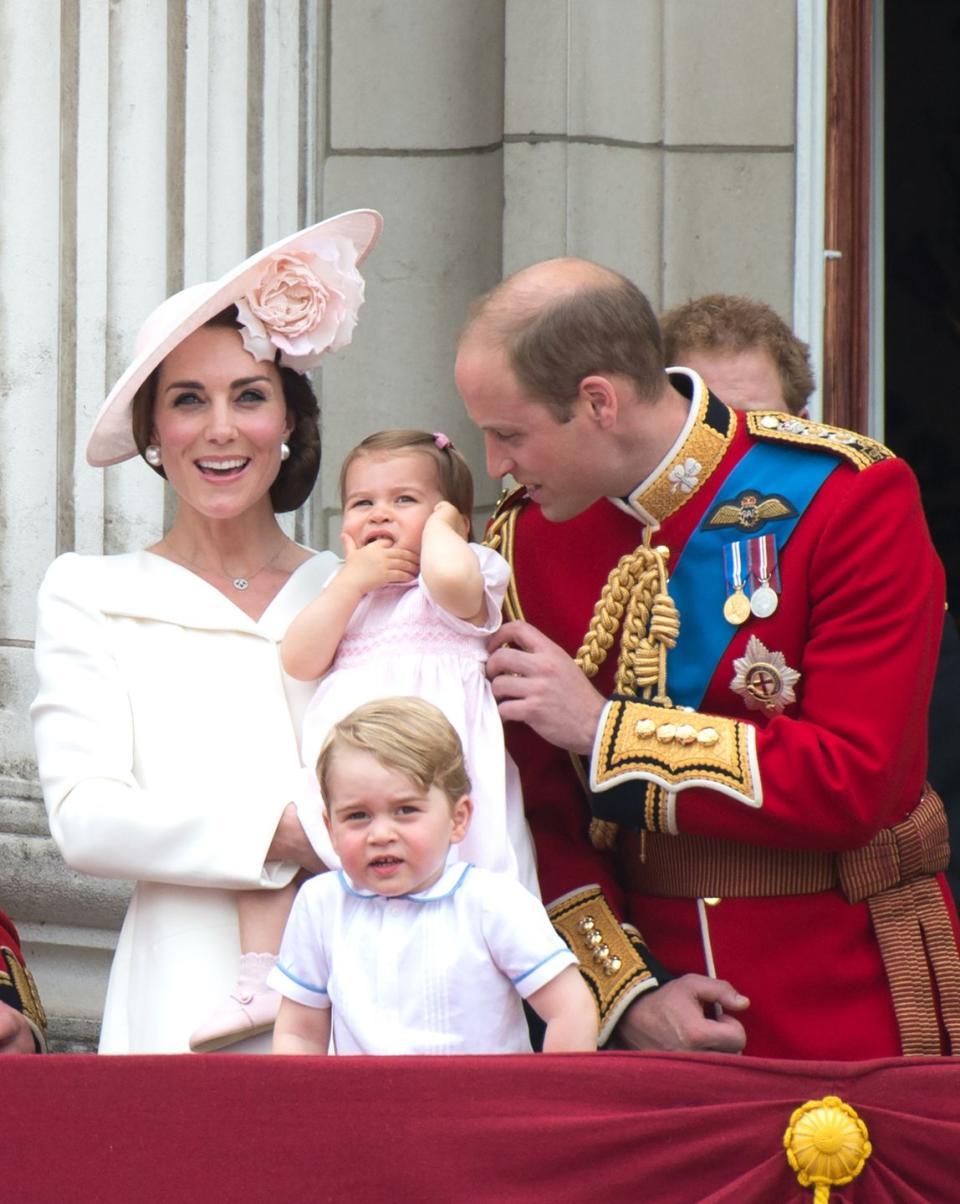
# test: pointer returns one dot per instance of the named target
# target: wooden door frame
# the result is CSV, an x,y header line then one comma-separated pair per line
x,y
846,311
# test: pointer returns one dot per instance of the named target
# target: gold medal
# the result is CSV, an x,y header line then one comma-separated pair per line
x,y
736,609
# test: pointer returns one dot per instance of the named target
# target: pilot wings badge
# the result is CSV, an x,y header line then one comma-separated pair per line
x,y
749,510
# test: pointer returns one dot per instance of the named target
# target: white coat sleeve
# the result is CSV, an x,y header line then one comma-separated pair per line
x,y
101,818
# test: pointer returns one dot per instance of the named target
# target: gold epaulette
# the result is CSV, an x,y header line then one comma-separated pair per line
x,y
778,427
610,954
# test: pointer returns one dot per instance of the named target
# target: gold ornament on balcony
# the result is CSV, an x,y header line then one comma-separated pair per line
x,y
827,1145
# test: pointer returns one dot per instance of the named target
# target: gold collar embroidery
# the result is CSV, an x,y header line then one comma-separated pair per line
x,y
692,460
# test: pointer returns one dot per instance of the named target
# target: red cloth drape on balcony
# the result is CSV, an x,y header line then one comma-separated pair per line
x,y
608,1127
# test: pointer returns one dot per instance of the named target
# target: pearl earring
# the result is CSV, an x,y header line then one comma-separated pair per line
x,y
152,455
284,451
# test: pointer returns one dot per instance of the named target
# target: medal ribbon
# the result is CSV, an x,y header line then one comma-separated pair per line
x,y
733,567
696,586
762,566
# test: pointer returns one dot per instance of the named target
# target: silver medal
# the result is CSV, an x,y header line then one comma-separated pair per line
x,y
764,601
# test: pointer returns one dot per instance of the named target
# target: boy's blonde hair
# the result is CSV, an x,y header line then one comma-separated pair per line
x,y
407,735
453,472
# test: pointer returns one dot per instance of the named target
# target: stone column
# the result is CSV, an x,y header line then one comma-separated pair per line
x,y
146,145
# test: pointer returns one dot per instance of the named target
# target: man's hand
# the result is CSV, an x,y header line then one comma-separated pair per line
x,y
16,1036
375,564
672,1017
535,682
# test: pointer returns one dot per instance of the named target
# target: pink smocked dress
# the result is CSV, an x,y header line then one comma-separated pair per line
x,y
399,641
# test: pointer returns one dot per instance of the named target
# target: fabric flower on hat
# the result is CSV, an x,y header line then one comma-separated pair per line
x,y
304,305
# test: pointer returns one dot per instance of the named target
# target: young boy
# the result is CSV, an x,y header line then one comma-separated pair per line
x,y
401,951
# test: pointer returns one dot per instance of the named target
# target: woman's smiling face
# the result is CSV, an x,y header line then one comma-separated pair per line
x,y
219,418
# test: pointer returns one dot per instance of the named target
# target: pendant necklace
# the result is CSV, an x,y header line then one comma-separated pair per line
x,y
239,583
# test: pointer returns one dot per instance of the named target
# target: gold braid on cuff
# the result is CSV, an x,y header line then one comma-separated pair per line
x,y
610,954
674,748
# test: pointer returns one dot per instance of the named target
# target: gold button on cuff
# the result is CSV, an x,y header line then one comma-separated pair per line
x,y
683,733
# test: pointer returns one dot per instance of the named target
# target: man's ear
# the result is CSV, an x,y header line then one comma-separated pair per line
x,y
460,816
599,394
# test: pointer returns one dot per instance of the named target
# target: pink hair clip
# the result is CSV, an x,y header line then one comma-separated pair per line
x,y
441,440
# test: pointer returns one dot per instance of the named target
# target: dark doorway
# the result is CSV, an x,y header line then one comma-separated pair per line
x,y
922,233
922,334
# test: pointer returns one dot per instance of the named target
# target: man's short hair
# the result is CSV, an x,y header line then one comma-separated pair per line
x,y
604,328
719,322
408,735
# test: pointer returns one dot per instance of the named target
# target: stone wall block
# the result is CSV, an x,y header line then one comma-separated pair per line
x,y
440,247
535,204
416,75
536,69
615,70
614,210
729,72
728,227
71,966
38,887
18,685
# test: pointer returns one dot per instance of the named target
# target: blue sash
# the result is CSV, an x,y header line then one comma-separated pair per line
x,y
697,583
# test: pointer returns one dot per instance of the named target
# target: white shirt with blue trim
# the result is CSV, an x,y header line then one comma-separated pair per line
x,y
439,972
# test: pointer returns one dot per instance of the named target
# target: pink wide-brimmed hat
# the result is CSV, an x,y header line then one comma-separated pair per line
x,y
298,297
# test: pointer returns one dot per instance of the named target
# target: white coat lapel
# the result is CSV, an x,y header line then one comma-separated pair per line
x,y
159,590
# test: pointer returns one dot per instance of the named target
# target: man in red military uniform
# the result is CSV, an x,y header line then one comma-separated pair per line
x,y
22,1019
752,748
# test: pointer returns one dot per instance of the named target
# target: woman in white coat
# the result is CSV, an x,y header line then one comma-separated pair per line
x,y
166,730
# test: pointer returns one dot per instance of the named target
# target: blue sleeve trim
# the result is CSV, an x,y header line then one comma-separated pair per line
x,y
307,986
533,969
